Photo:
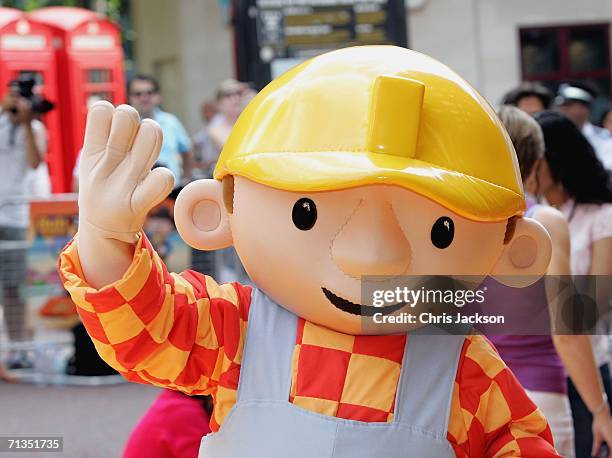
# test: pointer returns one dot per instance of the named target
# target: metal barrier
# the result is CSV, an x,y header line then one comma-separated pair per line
x,y
35,344
13,252
36,348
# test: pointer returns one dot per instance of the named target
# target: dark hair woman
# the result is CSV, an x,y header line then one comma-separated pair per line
x,y
574,180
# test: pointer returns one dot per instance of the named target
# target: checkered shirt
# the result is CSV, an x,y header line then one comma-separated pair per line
x,y
186,332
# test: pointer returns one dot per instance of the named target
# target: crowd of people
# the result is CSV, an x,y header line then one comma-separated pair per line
x,y
565,161
191,158
568,191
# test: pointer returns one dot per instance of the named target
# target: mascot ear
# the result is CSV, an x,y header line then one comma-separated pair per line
x,y
526,257
201,217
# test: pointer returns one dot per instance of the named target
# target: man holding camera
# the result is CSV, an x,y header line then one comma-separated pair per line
x,y
23,144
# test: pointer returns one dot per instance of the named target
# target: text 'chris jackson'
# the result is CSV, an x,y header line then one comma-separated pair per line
x,y
443,318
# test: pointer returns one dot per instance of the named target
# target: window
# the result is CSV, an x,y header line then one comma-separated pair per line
x,y
37,75
94,97
98,75
539,53
98,85
588,50
554,55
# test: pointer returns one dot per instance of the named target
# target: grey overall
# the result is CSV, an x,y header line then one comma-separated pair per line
x,y
264,424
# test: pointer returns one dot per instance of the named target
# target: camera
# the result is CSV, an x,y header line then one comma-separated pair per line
x,y
25,87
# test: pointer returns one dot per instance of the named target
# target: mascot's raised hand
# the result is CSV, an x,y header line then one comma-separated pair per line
x,y
117,187
116,183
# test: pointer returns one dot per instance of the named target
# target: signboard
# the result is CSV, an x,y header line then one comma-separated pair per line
x,y
22,42
53,223
90,42
274,35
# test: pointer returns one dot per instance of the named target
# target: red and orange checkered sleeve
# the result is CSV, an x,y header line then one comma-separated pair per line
x,y
184,331
491,415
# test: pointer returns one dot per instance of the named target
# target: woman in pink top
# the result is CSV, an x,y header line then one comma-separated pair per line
x,y
172,427
572,179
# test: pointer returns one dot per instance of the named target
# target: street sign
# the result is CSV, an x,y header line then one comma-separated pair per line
x,y
274,35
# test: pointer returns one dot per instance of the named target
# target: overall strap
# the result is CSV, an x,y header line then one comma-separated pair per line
x,y
265,373
427,379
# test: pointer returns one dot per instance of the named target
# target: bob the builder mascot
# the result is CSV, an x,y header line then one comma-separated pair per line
x,y
363,161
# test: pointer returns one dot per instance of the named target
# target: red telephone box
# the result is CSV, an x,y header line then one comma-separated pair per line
x,y
27,47
90,68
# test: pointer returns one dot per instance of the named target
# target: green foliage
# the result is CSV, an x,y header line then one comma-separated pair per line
x,y
29,5
113,9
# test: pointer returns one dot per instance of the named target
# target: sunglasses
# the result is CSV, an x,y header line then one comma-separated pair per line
x,y
231,93
150,92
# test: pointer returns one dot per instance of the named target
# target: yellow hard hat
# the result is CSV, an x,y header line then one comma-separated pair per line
x,y
378,115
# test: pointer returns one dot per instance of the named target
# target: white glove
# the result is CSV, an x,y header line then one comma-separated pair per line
x,y
117,187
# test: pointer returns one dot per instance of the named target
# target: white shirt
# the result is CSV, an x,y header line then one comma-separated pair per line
x,y
601,141
38,182
588,224
14,167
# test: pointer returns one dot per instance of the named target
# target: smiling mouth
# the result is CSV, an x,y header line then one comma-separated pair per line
x,y
357,309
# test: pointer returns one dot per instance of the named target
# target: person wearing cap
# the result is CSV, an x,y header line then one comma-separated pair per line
x,y
363,161
575,103
605,120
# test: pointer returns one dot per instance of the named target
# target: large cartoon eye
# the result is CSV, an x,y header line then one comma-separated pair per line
x,y
304,214
443,232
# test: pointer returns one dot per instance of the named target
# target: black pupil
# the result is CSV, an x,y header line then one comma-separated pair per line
x,y
304,214
443,232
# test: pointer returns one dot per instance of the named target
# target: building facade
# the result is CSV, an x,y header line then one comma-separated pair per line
x,y
494,44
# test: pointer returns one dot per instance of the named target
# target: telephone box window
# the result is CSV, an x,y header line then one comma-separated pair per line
x,y
94,97
98,75
38,76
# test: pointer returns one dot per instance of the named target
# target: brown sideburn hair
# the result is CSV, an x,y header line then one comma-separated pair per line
x,y
510,226
228,193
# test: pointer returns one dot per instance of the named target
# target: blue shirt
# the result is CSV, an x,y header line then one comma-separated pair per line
x,y
176,142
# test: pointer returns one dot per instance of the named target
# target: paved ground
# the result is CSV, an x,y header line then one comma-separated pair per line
x,y
94,421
